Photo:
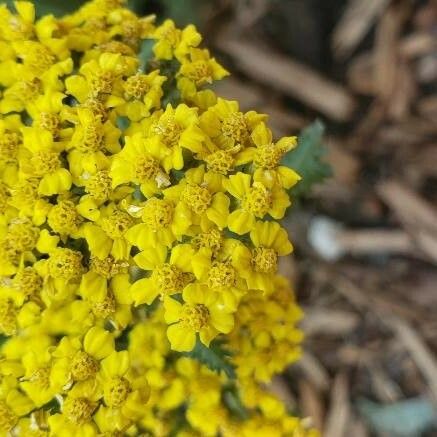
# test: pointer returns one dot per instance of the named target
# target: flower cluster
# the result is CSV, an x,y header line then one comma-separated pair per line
x,y
138,221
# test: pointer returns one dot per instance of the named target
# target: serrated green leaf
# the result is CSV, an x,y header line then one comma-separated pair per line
x,y
307,159
215,357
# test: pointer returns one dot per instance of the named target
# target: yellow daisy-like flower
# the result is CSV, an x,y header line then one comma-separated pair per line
x,y
166,278
174,42
44,162
201,192
259,265
255,201
266,157
227,126
139,163
200,313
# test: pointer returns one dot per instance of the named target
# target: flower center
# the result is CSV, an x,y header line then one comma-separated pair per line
x,y
168,278
146,168
83,366
45,162
22,235
92,140
49,121
137,86
169,130
63,218
9,143
25,193
116,391
78,410
264,260
200,72
220,162
7,417
198,198
102,82
117,224
221,274
234,127
28,281
107,267
195,316
28,89
8,321
267,156
105,308
9,252
157,213
96,107
4,197
41,377
99,185
258,200
65,264
211,239
39,60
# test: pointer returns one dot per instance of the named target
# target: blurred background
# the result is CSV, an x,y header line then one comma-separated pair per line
x,y
364,266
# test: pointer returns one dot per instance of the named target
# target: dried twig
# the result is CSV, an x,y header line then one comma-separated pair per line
x,y
354,24
291,77
339,412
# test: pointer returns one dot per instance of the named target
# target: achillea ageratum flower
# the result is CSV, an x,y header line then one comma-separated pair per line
x,y
138,223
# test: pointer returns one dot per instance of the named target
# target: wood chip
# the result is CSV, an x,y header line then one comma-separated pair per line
x,y
291,77
419,351
356,21
418,216
320,321
314,371
311,403
339,412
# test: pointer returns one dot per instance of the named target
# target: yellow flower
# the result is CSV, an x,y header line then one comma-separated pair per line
x,y
78,409
258,265
172,42
143,93
200,313
44,162
123,394
166,278
255,201
99,77
139,163
107,236
201,192
227,126
78,359
266,158
177,129
163,222
200,69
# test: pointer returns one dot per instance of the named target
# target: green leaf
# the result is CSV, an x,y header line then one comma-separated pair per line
x,y
215,357
307,159
232,400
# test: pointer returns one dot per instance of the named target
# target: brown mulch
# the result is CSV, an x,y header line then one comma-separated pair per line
x,y
365,264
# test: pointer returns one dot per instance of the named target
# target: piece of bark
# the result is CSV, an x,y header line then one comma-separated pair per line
x,y
321,321
288,76
427,107
417,216
339,412
386,50
314,371
356,21
419,351
311,403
